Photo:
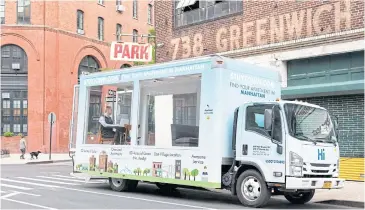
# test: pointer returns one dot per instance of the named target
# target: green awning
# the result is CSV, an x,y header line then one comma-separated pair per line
x,y
337,88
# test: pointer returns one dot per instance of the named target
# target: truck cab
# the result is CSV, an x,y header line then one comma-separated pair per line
x,y
291,145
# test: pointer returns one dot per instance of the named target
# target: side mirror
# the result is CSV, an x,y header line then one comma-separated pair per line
x,y
335,124
268,119
279,149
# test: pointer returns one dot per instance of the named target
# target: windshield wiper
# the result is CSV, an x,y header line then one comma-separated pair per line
x,y
325,140
303,137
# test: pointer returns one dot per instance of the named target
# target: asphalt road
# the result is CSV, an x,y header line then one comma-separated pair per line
x,y
49,186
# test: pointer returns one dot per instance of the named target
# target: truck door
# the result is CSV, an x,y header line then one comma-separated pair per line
x,y
73,121
258,147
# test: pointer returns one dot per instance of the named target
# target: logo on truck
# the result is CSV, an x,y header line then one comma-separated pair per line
x,y
321,154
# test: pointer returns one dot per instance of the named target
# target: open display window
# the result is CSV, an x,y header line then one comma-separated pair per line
x,y
169,111
109,114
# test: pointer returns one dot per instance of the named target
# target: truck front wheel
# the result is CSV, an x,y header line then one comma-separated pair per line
x,y
299,197
252,190
122,185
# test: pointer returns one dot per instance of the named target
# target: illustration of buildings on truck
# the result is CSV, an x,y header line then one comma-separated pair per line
x,y
210,122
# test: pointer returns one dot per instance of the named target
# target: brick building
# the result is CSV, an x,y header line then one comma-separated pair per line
x,y
317,46
45,45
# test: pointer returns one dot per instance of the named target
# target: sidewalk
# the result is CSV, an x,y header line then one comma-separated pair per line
x,y
351,195
42,158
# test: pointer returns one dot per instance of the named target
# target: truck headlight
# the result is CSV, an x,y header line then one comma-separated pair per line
x,y
296,164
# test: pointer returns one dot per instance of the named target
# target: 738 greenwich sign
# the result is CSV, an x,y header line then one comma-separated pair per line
x,y
307,22
130,51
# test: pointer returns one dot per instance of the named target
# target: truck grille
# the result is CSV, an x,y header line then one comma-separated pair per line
x,y
318,170
320,165
316,176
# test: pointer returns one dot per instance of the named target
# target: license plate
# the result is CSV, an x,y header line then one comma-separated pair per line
x,y
327,185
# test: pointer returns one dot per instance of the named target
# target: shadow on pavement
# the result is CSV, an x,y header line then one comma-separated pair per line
x,y
344,203
209,197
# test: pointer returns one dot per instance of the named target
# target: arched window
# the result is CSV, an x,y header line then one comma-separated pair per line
x,y
118,32
125,66
135,35
14,90
90,64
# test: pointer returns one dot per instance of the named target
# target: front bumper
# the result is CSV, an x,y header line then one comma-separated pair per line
x,y
314,183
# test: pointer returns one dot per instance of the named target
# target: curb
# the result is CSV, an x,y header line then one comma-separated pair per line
x,y
48,161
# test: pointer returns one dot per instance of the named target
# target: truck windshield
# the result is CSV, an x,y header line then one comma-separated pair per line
x,y
309,123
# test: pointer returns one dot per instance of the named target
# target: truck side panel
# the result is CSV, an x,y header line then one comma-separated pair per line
x,y
192,166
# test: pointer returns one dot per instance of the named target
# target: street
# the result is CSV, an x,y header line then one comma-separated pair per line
x,y
50,186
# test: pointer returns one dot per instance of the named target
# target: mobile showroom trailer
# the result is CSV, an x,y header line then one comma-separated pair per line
x,y
209,122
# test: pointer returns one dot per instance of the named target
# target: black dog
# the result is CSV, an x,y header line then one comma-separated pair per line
x,y
34,154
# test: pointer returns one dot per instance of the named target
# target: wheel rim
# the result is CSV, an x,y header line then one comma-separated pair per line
x,y
117,182
251,188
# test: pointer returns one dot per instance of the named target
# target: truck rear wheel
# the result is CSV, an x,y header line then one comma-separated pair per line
x,y
299,197
252,190
122,185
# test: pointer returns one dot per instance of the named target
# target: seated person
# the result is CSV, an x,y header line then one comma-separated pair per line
x,y
108,128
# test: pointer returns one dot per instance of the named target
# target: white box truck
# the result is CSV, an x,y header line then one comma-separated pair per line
x,y
209,122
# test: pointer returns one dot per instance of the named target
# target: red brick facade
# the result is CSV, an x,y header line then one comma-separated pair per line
x,y
54,52
261,23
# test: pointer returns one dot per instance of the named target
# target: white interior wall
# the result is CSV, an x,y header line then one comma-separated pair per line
x,y
190,86
163,120
277,61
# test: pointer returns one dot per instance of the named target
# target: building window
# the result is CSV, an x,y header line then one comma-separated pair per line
x,y
13,60
91,64
14,111
184,106
80,22
190,12
118,32
125,66
149,15
14,94
135,35
23,12
88,64
101,2
135,9
2,11
100,28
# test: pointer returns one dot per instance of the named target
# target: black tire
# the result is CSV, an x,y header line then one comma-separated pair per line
x,y
265,193
166,187
122,185
299,197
